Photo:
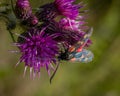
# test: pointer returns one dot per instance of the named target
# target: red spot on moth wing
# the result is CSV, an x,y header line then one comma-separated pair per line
x,y
73,59
71,49
80,49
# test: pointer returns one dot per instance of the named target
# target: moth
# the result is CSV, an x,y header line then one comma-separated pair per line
x,y
78,53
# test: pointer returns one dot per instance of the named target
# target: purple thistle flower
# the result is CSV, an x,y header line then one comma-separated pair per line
x,y
67,8
38,50
71,24
47,12
32,20
23,11
69,37
77,25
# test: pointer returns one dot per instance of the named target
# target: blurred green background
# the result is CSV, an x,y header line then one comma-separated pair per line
x,y
98,78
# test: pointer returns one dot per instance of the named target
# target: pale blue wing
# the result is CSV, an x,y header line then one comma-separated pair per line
x,y
84,56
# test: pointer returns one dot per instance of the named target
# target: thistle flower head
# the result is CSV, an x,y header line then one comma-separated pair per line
x,y
47,12
41,45
71,24
32,20
69,37
76,25
23,9
38,50
67,8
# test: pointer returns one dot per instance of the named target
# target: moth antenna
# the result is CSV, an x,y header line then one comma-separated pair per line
x,y
81,44
54,72
88,34
90,31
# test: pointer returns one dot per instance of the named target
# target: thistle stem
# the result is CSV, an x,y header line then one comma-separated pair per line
x,y
11,34
12,5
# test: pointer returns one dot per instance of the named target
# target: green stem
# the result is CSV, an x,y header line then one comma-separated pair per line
x,y
11,34
12,6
